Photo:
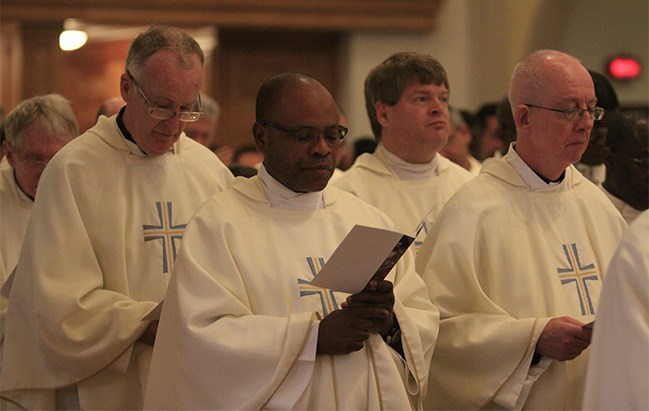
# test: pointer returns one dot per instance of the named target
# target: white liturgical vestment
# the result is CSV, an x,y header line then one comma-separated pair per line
x,y
15,208
240,311
407,201
97,256
508,253
618,368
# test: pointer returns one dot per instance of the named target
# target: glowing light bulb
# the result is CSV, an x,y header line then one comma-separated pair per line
x,y
72,39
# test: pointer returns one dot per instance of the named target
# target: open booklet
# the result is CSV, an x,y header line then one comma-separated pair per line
x,y
366,253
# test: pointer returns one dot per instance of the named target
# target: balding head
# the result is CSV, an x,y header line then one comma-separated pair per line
x,y
535,72
547,90
291,108
272,90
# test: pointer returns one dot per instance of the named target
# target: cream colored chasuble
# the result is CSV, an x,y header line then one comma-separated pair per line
x,y
406,192
240,313
508,253
97,256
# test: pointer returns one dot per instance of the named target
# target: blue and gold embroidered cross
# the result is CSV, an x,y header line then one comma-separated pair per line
x,y
167,232
419,241
580,275
327,298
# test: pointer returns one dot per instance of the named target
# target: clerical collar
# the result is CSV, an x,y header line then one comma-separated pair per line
x,y
406,170
122,127
130,141
533,180
280,196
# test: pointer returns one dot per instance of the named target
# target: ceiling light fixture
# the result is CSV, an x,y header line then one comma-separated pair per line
x,y
73,36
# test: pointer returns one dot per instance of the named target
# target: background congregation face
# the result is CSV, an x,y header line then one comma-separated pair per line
x,y
165,84
201,130
300,167
627,171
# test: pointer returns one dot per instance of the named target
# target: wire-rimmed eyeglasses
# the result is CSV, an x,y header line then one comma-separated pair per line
x,y
165,114
333,135
33,161
574,114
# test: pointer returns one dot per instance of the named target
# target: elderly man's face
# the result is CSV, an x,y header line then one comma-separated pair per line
x,y
38,148
167,85
302,167
558,142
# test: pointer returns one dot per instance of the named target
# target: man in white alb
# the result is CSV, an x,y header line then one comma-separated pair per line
x,y
618,367
109,217
516,259
243,328
35,130
406,98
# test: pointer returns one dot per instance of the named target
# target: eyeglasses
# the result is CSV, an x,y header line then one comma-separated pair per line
x,y
333,135
32,161
165,114
596,113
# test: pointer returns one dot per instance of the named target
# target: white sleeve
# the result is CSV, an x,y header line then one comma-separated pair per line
x,y
298,377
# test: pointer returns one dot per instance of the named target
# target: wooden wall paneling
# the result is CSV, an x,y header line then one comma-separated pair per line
x,y
408,15
91,74
248,57
43,59
11,73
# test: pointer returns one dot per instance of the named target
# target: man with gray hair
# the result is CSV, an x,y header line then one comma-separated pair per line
x,y
110,215
516,259
35,131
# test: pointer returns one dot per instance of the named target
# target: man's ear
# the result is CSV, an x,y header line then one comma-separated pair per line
x,y
8,152
381,109
521,116
124,86
260,135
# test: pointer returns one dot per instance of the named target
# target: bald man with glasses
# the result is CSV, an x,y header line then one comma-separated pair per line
x,y
516,259
105,229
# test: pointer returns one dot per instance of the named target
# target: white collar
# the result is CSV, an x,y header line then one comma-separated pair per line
x,y
531,179
406,170
280,196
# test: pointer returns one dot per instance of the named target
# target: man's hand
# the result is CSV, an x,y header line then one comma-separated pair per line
x,y
342,332
375,303
563,338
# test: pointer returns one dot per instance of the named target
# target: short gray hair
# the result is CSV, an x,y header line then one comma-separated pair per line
x,y
52,111
157,38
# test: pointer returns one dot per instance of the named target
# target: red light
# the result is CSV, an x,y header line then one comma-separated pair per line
x,y
624,68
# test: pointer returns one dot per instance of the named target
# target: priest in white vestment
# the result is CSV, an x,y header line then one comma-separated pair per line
x,y
243,328
618,367
517,257
105,228
35,130
407,102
